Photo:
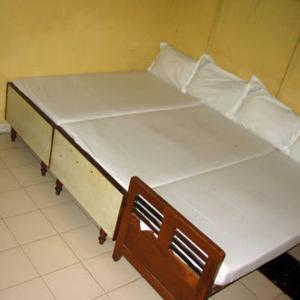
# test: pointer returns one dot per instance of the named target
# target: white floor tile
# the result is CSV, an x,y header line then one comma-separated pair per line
x,y
17,157
7,181
263,288
15,202
7,240
2,164
135,291
15,268
31,290
111,274
73,283
66,216
30,227
283,297
30,175
104,297
84,242
50,254
6,143
295,252
236,291
44,195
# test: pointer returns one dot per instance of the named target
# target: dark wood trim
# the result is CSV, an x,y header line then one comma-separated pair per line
x,y
153,253
51,148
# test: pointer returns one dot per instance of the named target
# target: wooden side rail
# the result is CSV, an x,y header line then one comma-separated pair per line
x,y
178,260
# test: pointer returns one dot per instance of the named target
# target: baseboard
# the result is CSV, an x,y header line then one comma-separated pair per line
x,y
4,127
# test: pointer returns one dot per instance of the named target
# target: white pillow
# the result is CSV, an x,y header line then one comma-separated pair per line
x,y
173,67
295,150
216,87
267,117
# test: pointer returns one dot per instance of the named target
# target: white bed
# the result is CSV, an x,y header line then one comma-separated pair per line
x,y
165,146
36,105
73,98
250,209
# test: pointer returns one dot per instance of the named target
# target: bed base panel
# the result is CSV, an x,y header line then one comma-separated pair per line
x,y
30,125
178,260
94,192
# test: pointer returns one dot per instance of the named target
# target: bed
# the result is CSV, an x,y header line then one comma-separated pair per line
x,y
36,105
250,210
160,153
205,148
173,144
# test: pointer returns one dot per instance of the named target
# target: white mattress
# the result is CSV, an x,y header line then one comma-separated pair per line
x,y
164,146
251,210
87,96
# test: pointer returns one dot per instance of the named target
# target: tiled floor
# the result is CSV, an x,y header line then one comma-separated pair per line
x,y
49,249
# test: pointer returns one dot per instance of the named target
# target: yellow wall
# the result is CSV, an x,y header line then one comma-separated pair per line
x,y
256,36
43,37
290,89
189,25
243,36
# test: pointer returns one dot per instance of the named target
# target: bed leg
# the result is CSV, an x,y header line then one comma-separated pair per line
x,y
13,135
44,168
102,236
58,187
117,254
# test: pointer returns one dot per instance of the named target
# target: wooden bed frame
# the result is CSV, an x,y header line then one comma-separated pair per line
x,y
177,259
95,190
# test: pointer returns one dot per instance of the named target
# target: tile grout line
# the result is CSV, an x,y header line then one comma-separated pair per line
x,y
77,257
250,290
60,234
33,266
126,284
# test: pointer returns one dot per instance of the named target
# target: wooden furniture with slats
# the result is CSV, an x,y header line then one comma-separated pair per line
x,y
176,258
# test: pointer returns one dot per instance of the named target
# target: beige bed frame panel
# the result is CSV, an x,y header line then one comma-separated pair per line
x,y
29,124
92,190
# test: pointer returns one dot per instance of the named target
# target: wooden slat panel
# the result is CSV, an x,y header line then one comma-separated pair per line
x,y
153,255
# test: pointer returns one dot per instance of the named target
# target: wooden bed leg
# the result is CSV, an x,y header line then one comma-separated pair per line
x,y
58,187
117,254
44,168
13,135
102,236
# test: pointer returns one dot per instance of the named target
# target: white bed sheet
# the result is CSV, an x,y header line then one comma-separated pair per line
x,y
164,146
251,210
80,97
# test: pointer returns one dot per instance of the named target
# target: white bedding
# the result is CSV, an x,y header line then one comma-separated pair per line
x,y
251,210
80,97
164,146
